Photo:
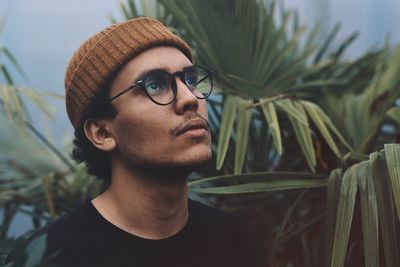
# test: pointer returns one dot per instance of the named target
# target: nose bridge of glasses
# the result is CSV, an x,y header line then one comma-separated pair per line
x,y
186,91
180,75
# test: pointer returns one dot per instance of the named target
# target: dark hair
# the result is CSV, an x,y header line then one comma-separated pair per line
x,y
98,162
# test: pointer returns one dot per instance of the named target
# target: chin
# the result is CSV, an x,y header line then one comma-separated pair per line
x,y
173,169
186,164
196,162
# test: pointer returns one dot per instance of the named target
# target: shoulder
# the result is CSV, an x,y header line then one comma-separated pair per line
x,y
70,226
226,230
213,218
60,235
197,208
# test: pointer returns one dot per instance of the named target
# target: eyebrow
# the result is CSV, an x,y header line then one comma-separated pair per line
x,y
146,72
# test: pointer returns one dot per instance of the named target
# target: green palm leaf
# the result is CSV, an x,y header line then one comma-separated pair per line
x,y
242,134
279,60
257,182
255,187
386,212
225,131
392,155
315,114
332,200
369,214
273,123
348,190
394,114
303,135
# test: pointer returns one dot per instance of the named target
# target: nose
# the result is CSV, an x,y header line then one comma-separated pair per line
x,y
185,100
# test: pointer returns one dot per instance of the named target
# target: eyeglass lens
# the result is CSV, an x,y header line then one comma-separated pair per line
x,y
160,85
198,81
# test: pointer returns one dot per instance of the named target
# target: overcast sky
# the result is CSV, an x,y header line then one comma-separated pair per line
x,y
43,34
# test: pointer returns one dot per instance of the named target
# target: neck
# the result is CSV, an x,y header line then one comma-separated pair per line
x,y
144,205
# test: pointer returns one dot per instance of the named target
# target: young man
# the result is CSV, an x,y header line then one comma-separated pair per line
x,y
138,107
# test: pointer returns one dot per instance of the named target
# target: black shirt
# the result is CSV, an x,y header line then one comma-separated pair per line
x,y
209,238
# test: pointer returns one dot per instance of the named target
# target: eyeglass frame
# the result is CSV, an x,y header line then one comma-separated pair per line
x,y
180,74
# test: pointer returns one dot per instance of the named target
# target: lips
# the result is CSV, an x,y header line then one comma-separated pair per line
x,y
192,125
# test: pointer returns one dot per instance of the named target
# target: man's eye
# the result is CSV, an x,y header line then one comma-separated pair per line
x,y
153,87
157,85
191,82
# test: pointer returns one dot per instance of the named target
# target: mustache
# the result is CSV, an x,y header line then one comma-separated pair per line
x,y
175,129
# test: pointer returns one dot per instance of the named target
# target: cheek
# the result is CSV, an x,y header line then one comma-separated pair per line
x,y
141,128
202,110
127,127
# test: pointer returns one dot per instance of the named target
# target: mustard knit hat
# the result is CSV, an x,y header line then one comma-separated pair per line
x,y
99,58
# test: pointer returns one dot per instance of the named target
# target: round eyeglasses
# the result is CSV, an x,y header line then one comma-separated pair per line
x,y
160,86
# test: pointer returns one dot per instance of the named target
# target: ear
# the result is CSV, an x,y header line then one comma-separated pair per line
x,y
100,136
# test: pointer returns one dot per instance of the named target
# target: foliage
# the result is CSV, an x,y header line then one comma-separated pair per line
x,y
377,181
36,178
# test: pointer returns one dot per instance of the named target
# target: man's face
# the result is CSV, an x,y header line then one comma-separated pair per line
x,y
149,136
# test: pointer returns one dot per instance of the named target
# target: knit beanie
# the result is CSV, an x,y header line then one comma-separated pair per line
x,y
96,62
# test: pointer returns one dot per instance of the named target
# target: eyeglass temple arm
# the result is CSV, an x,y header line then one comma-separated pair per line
x,y
123,92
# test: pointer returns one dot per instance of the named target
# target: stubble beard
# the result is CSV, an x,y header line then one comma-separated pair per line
x,y
164,170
